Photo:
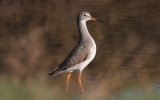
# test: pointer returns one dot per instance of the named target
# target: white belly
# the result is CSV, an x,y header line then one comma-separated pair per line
x,y
90,58
82,65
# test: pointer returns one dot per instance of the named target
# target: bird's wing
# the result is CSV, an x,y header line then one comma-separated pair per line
x,y
76,56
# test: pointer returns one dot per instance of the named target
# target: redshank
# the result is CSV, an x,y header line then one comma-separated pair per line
x,y
82,54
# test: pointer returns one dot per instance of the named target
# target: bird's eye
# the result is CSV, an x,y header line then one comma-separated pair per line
x,y
85,15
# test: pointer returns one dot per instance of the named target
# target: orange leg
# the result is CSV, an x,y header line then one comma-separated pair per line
x,y
80,83
68,77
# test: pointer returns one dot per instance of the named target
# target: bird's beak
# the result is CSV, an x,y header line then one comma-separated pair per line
x,y
92,18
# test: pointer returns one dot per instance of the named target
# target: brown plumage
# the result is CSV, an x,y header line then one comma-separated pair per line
x,y
77,55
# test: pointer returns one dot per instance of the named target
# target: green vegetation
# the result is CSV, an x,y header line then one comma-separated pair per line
x,y
37,91
32,91
10,91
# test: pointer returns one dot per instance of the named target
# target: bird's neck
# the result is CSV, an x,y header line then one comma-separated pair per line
x,y
83,31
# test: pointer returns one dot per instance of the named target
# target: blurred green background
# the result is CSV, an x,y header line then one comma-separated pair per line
x,y
37,35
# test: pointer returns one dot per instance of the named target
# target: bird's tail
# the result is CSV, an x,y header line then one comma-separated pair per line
x,y
51,73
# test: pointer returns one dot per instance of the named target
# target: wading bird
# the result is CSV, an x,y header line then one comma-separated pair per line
x,y
82,54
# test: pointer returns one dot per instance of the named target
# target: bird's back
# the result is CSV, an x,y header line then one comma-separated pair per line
x,y
79,54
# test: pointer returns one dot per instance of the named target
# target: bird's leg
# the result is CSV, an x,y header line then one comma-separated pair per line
x,y
80,83
68,77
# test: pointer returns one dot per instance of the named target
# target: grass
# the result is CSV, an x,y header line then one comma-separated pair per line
x,y
33,89
39,89
10,91
139,94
